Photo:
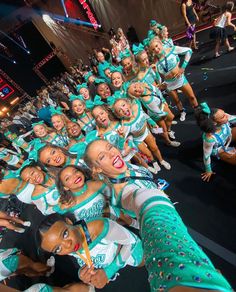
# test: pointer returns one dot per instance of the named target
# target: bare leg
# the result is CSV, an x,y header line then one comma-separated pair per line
x,y
169,118
228,45
143,148
139,160
217,47
165,135
176,99
188,91
228,158
152,145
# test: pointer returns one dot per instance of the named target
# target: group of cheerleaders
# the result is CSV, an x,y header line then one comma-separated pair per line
x,y
98,167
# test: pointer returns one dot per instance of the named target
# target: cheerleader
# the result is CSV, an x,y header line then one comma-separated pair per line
x,y
83,116
173,259
167,64
101,247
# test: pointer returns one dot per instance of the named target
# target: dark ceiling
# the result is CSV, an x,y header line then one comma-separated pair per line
x,y
8,6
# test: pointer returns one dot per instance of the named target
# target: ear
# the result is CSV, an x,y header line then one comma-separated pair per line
x,y
96,170
68,221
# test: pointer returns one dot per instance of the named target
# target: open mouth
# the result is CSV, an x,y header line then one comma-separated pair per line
x,y
58,159
74,132
38,179
78,180
77,247
118,162
127,113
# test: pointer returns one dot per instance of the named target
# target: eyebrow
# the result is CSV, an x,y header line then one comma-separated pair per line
x,y
54,249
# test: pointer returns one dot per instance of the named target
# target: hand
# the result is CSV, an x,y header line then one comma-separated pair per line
x,y
180,72
86,273
121,131
99,280
207,175
11,222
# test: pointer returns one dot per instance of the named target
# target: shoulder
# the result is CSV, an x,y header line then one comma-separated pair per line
x,y
208,137
96,227
95,185
38,190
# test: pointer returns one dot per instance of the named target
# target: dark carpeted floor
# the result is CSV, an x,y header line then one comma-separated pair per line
x,y
208,208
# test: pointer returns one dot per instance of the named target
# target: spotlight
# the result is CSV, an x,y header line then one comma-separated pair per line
x,y
28,52
14,62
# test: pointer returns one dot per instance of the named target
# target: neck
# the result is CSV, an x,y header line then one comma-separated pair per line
x,y
80,191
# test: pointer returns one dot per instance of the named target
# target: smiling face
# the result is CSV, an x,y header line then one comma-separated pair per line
x,y
33,175
72,179
85,92
103,90
143,59
58,122
127,64
106,158
220,117
156,46
116,79
101,116
100,57
78,107
61,239
136,89
123,109
52,156
73,129
40,131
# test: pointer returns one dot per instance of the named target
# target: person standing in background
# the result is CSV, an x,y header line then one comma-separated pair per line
x,y
219,33
190,17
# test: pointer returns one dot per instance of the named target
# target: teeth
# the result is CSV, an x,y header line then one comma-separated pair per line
x,y
114,162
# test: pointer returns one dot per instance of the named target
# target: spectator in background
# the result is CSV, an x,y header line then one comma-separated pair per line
x,y
190,17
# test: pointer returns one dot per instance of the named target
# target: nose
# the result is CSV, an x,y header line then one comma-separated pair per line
x,y
67,244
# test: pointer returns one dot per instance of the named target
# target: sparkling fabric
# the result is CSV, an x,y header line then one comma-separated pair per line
x,y
172,257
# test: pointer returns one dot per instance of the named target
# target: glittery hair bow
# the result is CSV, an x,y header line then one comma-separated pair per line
x,y
73,97
38,123
99,81
117,69
125,54
37,145
56,111
205,108
116,96
97,101
138,49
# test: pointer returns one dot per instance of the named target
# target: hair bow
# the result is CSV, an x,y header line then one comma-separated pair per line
x,y
97,101
146,42
78,149
205,108
73,97
79,86
116,96
91,136
56,111
138,49
117,69
99,81
38,123
87,75
152,23
125,54
26,163
38,144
